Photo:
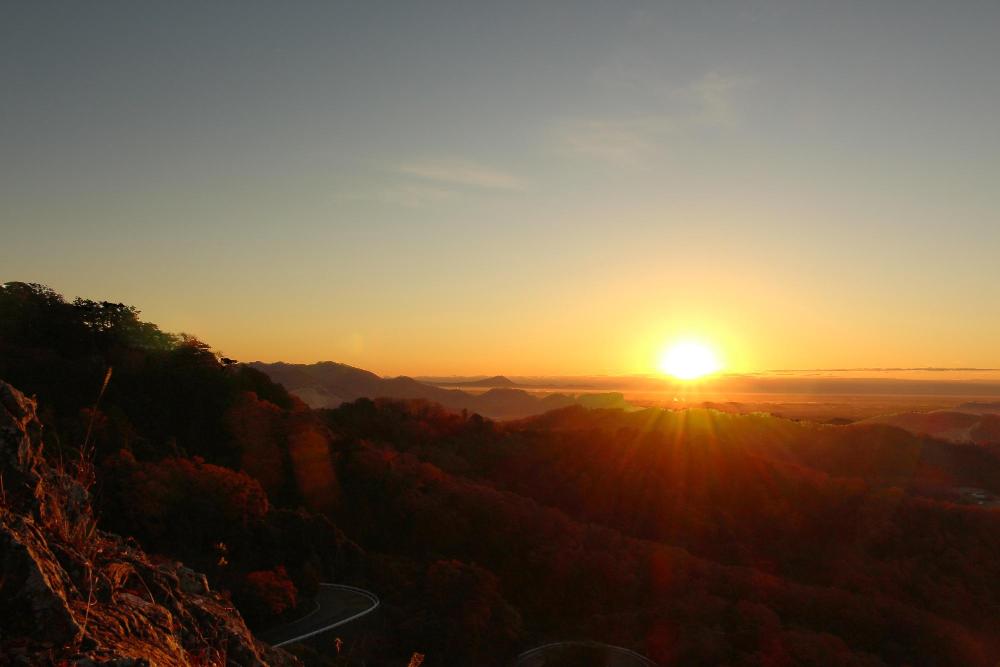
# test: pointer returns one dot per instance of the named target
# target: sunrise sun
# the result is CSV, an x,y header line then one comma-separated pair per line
x,y
689,360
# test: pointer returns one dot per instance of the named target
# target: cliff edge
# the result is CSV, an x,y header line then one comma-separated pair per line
x,y
71,594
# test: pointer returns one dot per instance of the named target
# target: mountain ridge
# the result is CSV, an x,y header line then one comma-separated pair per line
x,y
957,426
329,384
493,381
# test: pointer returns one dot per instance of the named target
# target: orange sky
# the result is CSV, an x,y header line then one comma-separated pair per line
x,y
473,189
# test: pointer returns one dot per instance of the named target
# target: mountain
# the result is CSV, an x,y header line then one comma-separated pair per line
x,y
495,381
980,407
324,384
694,537
328,384
958,426
76,595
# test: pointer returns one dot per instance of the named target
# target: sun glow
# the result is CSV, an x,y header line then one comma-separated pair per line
x,y
689,361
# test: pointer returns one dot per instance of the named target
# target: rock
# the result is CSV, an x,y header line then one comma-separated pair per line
x,y
34,591
74,595
191,581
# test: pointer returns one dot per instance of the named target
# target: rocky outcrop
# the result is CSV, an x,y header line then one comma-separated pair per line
x,y
71,594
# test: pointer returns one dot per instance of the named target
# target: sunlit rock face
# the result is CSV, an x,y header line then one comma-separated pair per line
x,y
72,594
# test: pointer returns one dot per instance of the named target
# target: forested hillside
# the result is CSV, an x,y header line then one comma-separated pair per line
x,y
694,537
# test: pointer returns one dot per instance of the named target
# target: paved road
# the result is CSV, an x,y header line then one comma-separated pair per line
x,y
614,656
336,605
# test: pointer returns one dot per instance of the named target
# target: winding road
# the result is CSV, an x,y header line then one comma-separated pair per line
x,y
336,605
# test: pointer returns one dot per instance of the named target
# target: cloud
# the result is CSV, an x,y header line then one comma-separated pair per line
x,y
411,195
715,98
433,182
462,173
626,141
879,369
709,102
416,196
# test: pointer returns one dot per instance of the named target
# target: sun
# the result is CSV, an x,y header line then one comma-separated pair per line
x,y
689,360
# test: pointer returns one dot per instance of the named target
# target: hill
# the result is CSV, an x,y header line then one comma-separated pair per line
x,y
787,539
981,427
689,536
328,384
980,407
495,381
323,384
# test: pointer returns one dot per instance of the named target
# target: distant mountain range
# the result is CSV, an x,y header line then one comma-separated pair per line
x,y
327,384
975,422
495,381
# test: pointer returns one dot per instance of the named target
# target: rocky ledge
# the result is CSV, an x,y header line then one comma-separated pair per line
x,y
71,594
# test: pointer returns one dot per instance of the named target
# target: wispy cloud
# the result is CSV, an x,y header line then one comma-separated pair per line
x,y
416,196
715,97
624,141
411,195
433,182
934,369
711,101
461,173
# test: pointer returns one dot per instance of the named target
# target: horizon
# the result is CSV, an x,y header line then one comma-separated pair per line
x,y
557,191
912,373
933,373
967,382
387,334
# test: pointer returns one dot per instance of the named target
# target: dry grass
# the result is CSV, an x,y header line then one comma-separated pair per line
x,y
70,516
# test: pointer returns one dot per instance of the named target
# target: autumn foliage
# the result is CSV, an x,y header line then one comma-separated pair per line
x,y
267,594
694,537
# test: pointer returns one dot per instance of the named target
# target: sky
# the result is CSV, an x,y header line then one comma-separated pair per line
x,y
524,188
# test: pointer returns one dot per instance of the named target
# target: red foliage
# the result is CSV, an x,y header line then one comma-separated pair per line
x,y
266,594
257,427
695,537
180,501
